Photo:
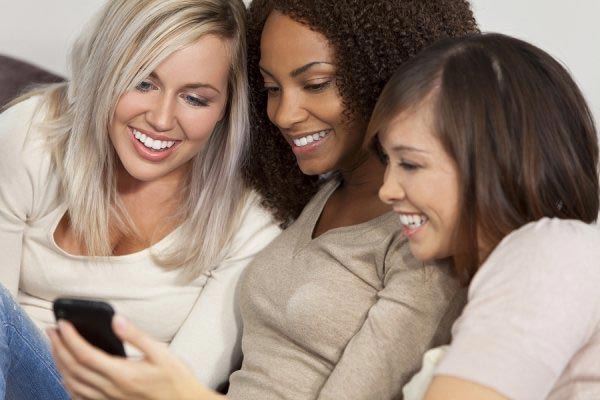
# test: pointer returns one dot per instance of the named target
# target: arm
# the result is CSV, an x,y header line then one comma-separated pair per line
x,y
399,328
209,341
538,296
16,192
451,388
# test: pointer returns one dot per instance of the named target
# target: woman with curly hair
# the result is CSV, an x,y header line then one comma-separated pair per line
x,y
337,308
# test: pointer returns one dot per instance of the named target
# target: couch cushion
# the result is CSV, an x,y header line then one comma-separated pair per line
x,y
16,76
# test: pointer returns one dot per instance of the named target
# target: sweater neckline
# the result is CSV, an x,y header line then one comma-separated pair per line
x,y
313,212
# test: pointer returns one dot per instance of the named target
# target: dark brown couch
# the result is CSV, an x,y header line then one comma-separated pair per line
x,y
16,76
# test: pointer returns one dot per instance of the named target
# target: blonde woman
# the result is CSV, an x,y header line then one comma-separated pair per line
x,y
124,185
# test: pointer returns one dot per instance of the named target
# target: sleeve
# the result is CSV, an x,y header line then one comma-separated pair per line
x,y
209,341
16,191
532,306
402,324
416,388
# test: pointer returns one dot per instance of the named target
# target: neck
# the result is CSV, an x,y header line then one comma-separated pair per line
x,y
365,175
166,189
151,203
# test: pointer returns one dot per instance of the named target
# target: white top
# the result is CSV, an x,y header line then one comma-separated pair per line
x,y
531,328
199,320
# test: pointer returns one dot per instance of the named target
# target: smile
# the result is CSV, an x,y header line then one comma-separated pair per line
x,y
413,221
313,137
154,144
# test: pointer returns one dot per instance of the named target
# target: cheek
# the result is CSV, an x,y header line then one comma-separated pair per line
x,y
330,109
271,107
449,191
129,105
198,125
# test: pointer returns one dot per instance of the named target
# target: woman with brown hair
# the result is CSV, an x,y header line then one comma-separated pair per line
x,y
337,308
492,162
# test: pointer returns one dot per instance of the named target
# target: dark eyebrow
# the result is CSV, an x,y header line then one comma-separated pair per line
x,y
407,148
197,85
299,70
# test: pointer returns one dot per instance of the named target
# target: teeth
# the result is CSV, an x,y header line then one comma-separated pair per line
x,y
313,137
412,220
151,143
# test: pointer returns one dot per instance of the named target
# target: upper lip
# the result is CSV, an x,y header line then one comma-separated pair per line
x,y
154,135
407,212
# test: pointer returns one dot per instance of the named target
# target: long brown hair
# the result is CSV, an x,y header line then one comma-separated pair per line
x,y
518,128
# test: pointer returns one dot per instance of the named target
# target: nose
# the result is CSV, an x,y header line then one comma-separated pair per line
x,y
391,191
286,110
161,114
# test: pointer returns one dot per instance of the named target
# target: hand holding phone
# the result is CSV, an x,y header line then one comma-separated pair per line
x,y
92,319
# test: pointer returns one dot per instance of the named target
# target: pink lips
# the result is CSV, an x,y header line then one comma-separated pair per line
x,y
408,232
149,154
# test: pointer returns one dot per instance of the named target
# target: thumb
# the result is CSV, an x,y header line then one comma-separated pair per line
x,y
129,333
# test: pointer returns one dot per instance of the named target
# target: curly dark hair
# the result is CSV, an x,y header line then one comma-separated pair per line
x,y
370,38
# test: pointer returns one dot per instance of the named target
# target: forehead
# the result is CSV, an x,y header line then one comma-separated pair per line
x,y
285,41
208,58
410,127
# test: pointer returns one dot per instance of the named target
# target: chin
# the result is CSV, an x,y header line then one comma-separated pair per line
x,y
140,174
309,168
421,254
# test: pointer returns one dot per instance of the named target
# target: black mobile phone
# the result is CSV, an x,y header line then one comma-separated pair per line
x,y
92,319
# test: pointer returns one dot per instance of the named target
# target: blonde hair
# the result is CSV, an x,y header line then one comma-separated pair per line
x,y
124,44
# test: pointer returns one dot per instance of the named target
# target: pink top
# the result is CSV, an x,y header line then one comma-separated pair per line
x,y
531,328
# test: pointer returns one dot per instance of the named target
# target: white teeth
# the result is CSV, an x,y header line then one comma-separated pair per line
x,y
313,137
412,220
152,143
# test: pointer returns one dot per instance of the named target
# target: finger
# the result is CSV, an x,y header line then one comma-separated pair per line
x,y
85,353
86,363
127,332
86,388
70,368
78,390
115,372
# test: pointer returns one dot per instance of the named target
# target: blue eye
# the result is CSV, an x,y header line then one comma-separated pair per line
x,y
145,86
195,101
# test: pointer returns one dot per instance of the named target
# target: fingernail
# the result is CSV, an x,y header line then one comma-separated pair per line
x,y
61,324
120,323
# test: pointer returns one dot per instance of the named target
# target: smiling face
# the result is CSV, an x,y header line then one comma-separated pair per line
x,y
297,65
161,124
421,183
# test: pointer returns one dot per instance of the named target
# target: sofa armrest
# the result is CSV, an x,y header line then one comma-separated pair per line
x,y
16,76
